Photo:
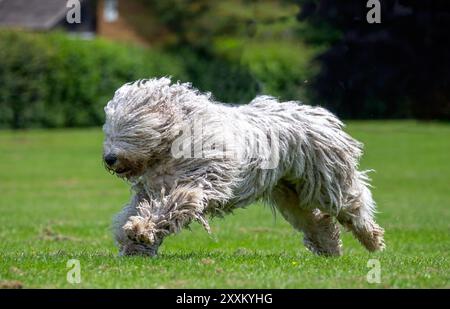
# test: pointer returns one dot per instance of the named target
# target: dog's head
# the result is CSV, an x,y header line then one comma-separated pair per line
x,y
139,123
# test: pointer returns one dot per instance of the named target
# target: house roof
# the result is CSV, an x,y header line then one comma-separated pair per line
x,y
32,14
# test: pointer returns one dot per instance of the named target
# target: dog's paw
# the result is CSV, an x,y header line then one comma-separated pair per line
x,y
375,242
140,230
135,249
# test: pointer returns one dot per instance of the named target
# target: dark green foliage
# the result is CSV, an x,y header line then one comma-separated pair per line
x,y
235,50
227,82
396,69
56,81
238,48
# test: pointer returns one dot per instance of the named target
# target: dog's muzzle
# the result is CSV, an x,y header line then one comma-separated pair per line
x,y
110,159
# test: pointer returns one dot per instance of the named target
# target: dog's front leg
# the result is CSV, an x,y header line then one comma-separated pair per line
x,y
131,213
156,219
183,205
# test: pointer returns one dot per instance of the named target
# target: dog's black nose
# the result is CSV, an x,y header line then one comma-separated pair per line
x,y
110,159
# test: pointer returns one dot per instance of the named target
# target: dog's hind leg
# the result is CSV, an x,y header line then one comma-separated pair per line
x,y
321,233
358,217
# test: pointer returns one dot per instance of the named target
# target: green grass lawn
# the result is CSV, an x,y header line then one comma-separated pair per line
x,y
57,201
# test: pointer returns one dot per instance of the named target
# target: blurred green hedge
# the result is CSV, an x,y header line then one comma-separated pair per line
x,y
56,80
53,80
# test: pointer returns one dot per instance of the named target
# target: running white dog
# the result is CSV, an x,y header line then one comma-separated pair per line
x,y
187,157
